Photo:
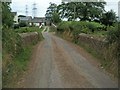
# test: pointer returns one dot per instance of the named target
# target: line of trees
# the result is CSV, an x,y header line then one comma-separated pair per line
x,y
83,11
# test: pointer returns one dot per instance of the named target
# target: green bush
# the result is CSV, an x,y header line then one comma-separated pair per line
x,y
79,27
15,67
15,56
76,28
114,34
111,51
11,41
11,45
28,29
63,26
94,26
113,37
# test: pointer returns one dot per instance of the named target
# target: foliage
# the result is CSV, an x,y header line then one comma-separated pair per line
x,y
82,10
51,9
28,29
63,26
15,68
19,55
15,57
108,53
114,34
79,27
94,26
112,48
108,18
52,13
7,17
31,29
11,42
55,18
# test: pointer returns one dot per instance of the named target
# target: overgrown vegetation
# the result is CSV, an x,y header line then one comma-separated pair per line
x,y
28,29
11,41
107,50
52,13
7,17
81,27
14,66
82,11
114,40
15,56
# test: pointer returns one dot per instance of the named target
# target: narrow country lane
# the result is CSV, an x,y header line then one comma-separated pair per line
x,y
58,64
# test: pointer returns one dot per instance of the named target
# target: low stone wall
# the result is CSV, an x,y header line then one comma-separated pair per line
x,y
29,38
94,43
105,52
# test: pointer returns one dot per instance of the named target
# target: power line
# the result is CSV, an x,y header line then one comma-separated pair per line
x,y
34,9
26,10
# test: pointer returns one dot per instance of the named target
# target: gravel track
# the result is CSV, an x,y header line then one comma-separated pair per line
x,y
58,64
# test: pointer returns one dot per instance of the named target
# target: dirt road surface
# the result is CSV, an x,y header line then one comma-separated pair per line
x,y
57,63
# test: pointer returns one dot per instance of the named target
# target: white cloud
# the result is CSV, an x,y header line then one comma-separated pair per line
x,y
113,6
42,5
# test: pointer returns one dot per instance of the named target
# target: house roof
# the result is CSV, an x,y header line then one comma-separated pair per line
x,y
30,19
21,16
27,18
38,19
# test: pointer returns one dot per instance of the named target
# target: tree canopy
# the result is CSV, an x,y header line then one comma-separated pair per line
x,y
83,11
109,18
7,17
52,13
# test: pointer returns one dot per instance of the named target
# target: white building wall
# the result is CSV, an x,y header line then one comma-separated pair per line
x,y
36,24
16,19
119,10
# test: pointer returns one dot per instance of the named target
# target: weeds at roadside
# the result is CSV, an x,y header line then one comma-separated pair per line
x,y
15,57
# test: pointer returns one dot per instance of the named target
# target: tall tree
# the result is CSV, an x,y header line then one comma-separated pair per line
x,y
82,10
52,13
109,18
7,17
56,18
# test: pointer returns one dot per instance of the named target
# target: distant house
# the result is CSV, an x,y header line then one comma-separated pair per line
x,y
37,21
15,19
22,18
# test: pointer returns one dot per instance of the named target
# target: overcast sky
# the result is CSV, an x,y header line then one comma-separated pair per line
x,y
42,5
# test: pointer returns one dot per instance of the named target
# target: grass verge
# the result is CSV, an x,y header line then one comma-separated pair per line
x,y
15,58
16,67
107,58
28,29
